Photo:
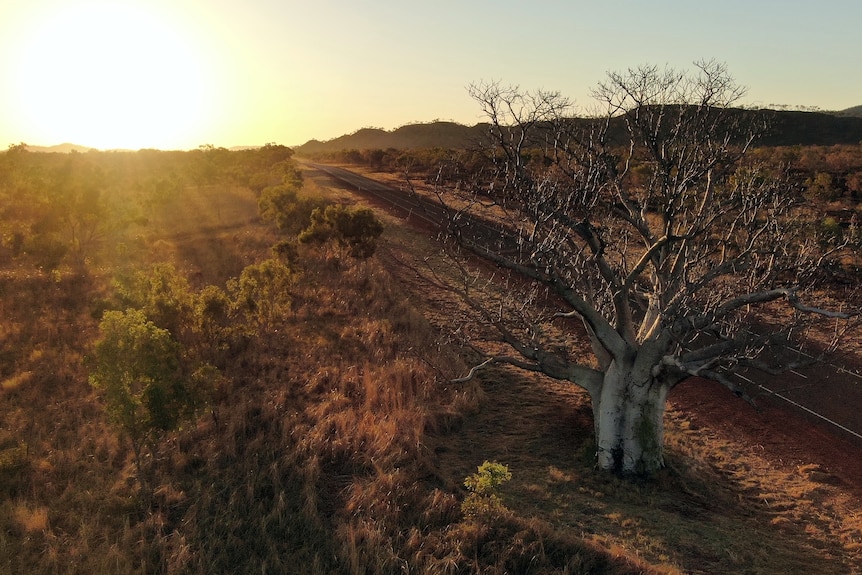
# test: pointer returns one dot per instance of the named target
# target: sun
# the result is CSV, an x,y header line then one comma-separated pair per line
x,y
112,75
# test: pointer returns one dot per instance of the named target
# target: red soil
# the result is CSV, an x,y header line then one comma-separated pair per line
x,y
789,438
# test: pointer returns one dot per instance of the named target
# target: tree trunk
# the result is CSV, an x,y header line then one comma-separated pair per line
x,y
629,420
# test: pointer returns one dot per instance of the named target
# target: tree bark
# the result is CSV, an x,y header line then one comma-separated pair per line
x,y
629,420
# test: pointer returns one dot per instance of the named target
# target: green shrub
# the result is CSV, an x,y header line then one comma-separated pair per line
x,y
263,291
354,229
136,365
162,293
484,501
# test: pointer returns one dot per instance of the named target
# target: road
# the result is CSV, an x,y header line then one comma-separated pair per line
x,y
478,235
825,392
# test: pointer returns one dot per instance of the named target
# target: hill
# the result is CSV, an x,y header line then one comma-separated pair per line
x,y
855,111
65,148
794,128
790,128
412,136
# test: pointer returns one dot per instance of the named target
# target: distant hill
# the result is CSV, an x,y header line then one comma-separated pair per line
x,y
790,128
411,136
60,148
855,111
793,128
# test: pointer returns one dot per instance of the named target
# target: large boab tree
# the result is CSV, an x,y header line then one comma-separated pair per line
x,y
648,224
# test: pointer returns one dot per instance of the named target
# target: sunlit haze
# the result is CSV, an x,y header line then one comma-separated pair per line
x,y
176,74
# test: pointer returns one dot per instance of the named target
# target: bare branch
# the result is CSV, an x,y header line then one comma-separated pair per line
x,y
476,369
588,379
793,299
726,382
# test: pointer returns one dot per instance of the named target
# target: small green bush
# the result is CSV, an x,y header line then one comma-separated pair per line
x,y
484,501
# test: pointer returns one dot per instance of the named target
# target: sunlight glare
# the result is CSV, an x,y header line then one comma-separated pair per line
x,y
110,76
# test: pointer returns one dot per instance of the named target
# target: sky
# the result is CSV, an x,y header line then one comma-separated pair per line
x,y
177,74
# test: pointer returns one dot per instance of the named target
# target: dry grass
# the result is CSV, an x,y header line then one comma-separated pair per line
x,y
337,443
723,506
32,520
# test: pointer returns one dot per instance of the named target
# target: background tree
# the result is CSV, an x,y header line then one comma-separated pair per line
x,y
78,193
822,187
646,224
265,166
284,205
215,323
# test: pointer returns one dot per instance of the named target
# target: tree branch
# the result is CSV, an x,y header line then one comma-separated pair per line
x,y
585,377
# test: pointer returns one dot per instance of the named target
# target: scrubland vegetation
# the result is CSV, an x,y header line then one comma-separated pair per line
x,y
304,419
827,178
151,276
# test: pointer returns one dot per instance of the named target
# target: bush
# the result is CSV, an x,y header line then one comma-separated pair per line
x,y
283,205
163,295
263,291
136,364
354,229
484,501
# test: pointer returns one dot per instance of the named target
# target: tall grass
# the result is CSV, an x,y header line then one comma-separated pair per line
x,y
320,451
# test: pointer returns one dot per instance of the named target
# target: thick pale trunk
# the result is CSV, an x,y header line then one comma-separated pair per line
x,y
629,420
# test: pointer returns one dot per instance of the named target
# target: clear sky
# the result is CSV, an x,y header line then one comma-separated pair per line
x,y
182,73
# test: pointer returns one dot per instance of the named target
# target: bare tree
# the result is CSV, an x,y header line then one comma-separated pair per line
x,y
647,224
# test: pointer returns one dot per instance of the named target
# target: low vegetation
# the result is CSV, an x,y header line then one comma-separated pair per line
x,y
293,411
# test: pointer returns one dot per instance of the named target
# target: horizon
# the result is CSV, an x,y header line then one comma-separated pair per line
x,y
85,148
228,75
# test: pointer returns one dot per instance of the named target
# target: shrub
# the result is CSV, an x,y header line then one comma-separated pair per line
x,y
484,501
136,364
263,290
283,205
354,229
163,294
